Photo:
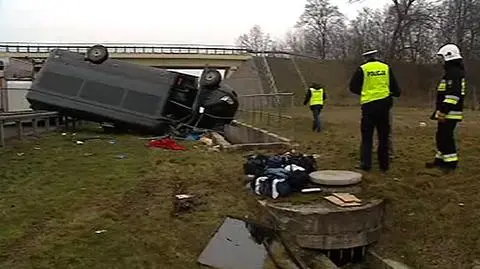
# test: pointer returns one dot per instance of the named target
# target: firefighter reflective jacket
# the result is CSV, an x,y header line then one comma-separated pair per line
x,y
376,82
316,96
451,91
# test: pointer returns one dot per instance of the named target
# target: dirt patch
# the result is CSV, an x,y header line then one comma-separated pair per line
x,y
137,201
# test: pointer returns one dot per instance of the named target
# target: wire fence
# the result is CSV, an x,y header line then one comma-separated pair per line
x,y
269,111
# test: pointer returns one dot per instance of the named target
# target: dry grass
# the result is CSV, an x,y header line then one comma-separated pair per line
x,y
432,217
53,199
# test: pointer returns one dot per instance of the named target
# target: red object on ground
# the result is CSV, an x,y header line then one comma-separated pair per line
x,y
165,143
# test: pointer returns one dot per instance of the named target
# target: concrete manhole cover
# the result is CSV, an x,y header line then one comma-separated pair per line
x,y
335,177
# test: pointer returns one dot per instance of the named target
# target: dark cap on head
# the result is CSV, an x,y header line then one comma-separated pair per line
x,y
315,85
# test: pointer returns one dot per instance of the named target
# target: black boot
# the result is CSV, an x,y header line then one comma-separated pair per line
x,y
437,163
449,167
363,168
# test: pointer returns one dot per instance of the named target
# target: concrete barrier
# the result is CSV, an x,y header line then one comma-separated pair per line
x,y
239,135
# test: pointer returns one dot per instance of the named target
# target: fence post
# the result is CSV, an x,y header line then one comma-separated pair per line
x,y
47,124
2,133
35,127
19,129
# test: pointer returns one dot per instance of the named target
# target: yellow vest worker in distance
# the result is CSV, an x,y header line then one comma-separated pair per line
x,y
315,97
449,108
375,83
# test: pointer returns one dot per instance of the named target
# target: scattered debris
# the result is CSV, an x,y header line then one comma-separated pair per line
x,y
347,197
207,141
183,203
37,148
80,142
100,231
88,154
20,154
214,148
193,137
461,204
423,124
309,190
121,156
337,201
165,143
64,134
183,196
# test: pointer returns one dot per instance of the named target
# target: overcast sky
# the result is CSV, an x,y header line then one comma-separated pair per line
x,y
151,21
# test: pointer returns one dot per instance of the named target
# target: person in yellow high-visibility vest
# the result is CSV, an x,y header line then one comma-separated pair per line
x,y
315,97
375,83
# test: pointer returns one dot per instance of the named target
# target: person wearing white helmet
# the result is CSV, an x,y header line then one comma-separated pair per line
x,y
449,108
376,84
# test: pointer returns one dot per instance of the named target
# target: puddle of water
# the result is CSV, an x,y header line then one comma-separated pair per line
x,y
239,244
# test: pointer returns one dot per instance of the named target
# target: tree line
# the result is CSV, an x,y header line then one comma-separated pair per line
x,y
405,31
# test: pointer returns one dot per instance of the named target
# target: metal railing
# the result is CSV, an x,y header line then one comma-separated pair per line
x,y
270,111
9,47
143,48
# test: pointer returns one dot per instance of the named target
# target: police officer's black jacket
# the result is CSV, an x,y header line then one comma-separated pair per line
x,y
356,85
452,87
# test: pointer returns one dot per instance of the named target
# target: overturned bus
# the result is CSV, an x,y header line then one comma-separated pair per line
x,y
96,88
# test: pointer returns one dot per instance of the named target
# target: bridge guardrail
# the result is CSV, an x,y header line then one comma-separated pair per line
x,y
17,47
139,49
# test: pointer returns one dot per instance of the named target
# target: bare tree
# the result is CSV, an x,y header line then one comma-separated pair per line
x,y
405,30
368,31
320,20
459,23
255,40
294,41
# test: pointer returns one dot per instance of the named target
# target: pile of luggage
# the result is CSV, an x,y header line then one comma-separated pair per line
x,y
279,175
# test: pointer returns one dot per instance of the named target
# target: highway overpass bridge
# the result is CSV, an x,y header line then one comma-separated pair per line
x,y
163,56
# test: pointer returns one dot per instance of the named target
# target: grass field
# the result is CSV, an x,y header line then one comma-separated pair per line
x,y
56,195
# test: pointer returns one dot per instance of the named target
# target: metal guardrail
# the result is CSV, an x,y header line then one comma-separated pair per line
x,y
144,48
124,48
23,117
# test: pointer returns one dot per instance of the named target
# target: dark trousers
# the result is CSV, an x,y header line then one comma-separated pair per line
x,y
445,140
317,124
390,142
379,120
